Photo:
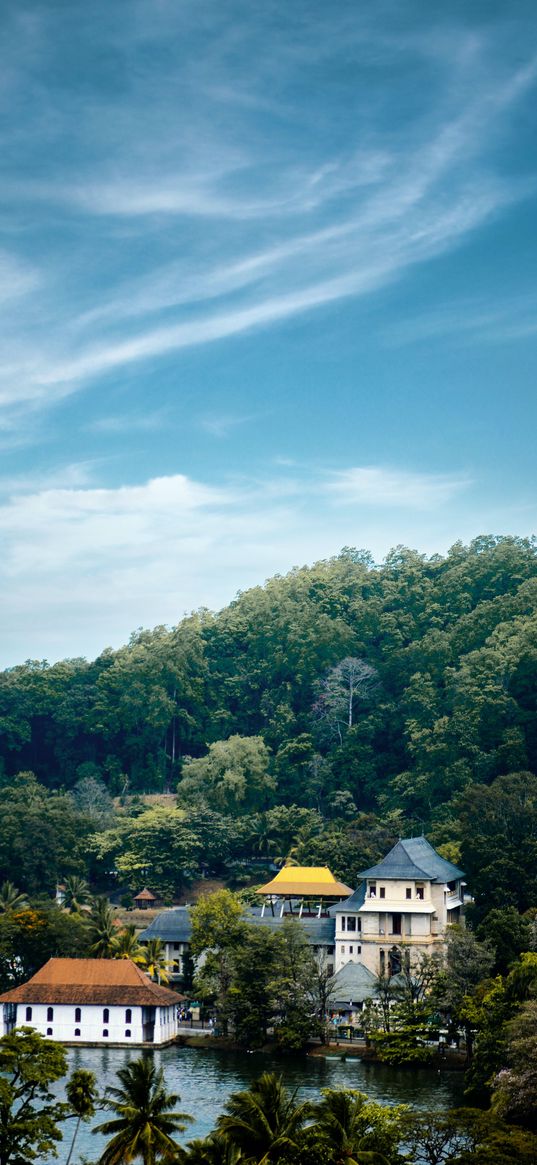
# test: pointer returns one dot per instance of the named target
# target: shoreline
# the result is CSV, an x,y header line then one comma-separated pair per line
x,y
451,1059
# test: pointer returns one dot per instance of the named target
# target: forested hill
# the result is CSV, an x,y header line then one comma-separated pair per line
x,y
390,686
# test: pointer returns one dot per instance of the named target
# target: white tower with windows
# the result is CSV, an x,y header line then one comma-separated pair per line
x,y
406,901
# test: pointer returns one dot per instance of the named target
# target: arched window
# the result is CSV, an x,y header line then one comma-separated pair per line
x,y
50,1014
128,1015
77,1031
49,1031
394,961
28,1014
106,1015
128,1033
78,1014
105,1032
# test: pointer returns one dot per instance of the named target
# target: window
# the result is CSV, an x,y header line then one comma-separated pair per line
x,y
78,1015
330,950
382,891
359,950
372,889
105,1032
351,950
50,1014
28,1014
420,892
106,1015
343,950
408,892
177,946
128,1033
49,1031
351,924
330,969
343,922
128,1015
396,924
382,957
77,1031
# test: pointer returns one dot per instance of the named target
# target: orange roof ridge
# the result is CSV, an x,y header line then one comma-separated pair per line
x,y
91,980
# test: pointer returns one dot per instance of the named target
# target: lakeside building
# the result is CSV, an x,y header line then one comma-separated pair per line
x,y
407,901
306,893
93,1001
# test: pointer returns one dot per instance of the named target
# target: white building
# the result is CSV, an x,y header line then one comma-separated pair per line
x,y
93,1001
407,900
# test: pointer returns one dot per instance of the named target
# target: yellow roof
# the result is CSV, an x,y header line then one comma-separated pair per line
x,y
306,882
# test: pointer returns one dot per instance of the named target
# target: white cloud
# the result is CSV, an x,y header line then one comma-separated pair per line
x,y
82,566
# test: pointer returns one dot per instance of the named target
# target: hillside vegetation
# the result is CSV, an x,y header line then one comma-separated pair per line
x,y
320,715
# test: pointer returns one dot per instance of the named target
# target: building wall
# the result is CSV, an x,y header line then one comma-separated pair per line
x,y
371,935
175,955
65,1026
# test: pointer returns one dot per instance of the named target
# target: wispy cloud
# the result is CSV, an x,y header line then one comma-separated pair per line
x,y
148,422
293,227
383,487
223,424
469,322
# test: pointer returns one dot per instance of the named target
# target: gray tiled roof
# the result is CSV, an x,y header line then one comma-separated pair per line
x,y
170,926
318,931
414,858
353,903
175,925
353,983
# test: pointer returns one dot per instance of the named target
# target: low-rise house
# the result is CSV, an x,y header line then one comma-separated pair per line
x,y
174,929
351,987
93,1001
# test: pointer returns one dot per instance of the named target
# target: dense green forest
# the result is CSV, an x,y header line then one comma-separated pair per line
x,y
446,694
322,715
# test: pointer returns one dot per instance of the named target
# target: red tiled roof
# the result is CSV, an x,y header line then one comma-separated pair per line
x,y
106,981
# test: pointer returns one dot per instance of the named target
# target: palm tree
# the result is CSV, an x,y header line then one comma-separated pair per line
x,y
125,945
344,1126
76,894
11,898
144,1126
82,1097
213,1150
263,1121
155,962
103,929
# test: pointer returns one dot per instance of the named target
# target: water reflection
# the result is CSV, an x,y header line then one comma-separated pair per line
x,y
205,1078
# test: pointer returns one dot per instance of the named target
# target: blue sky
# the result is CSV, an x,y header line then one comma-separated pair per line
x,y
267,280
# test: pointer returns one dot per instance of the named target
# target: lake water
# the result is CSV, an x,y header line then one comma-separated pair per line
x,y
205,1078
